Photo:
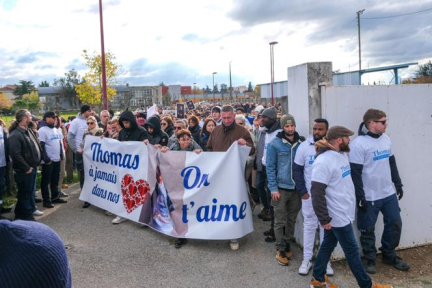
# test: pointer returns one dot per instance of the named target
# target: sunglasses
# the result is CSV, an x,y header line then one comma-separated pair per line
x,y
178,128
383,122
164,124
90,123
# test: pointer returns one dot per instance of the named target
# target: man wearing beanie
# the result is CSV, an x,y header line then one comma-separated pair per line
x,y
285,199
375,177
270,122
302,169
51,140
75,138
333,200
32,255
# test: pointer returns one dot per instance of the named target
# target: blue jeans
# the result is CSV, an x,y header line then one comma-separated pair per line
x,y
366,221
26,204
345,236
260,187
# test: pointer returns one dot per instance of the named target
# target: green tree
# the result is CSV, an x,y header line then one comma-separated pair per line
x,y
215,88
24,87
5,102
250,89
67,87
32,100
90,90
425,70
44,84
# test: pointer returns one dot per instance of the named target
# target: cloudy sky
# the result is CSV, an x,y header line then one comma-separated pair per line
x,y
182,42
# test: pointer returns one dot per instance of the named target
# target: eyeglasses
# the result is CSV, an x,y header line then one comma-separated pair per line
x,y
383,122
90,123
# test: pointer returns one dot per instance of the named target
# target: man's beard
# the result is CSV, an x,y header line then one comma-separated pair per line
x,y
289,134
344,147
317,137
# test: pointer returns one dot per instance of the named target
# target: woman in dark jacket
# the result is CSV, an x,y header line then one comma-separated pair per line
x,y
208,127
195,129
167,125
157,136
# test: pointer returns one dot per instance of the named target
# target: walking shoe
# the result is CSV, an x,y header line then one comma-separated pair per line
x,y
59,201
63,194
263,211
282,258
38,200
268,232
108,213
65,186
377,285
118,220
38,213
329,270
397,263
289,253
271,238
305,267
179,242
86,205
370,267
5,210
48,205
266,216
234,245
326,284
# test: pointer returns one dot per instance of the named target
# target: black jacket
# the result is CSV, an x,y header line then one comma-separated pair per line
x,y
169,130
157,136
196,133
135,132
23,152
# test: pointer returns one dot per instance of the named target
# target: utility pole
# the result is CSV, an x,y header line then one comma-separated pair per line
x,y
272,68
359,42
230,81
104,88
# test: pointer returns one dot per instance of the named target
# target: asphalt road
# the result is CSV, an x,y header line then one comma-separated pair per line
x,y
128,255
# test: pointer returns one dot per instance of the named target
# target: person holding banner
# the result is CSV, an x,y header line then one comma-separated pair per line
x,y
224,135
156,135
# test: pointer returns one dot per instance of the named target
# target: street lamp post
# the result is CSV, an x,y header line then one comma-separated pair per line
x,y
104,88
230,81
272,68
214,101
194,91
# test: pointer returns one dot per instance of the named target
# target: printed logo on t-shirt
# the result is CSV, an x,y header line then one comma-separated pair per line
x,y
55,137
379,155
346,170
311,159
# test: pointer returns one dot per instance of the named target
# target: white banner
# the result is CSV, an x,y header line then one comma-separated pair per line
x,y
181,194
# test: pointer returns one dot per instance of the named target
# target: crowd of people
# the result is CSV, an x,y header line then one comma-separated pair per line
x,y
321,174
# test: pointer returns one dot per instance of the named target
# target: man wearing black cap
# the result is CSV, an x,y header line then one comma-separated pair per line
x,y
52,154
75,137
333,200
378,187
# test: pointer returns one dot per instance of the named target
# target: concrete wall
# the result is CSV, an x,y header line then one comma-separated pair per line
x,y
409,111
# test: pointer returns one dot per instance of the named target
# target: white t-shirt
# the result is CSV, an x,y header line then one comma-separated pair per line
x,y
305,156
78,126
268,138
53,139
2,148
333,169
374,154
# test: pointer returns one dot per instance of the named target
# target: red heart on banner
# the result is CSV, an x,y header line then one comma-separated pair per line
x,y
134,194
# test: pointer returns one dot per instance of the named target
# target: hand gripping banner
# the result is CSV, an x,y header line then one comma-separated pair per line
x,y
180,194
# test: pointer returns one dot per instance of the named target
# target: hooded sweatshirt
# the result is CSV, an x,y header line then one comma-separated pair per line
x,y
158,136
270,135
134,132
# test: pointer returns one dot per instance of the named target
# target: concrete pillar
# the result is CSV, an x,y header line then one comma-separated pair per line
x,y
304,92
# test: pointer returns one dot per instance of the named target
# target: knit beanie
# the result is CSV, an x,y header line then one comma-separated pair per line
x,y
32,255
286,119
85,108
270,113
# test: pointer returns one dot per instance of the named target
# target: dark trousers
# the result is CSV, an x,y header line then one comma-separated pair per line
x,y
345,236
50,179
260,187
80,168
3,172
25,206
269,198
366,221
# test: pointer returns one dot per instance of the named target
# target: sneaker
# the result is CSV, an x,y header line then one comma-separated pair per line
x,y
326,284
377,285
271,238
48,205
370,267
38,213
59,201
179,242
266,216
234,244
63,194
305,267
263,211
38,200
397,263
86,205
289,254
329,270
108,213
282,258
118,220
268,232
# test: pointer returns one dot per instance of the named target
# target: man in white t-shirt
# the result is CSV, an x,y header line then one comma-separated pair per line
x,y
333,200
51,140
375,177
302,172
